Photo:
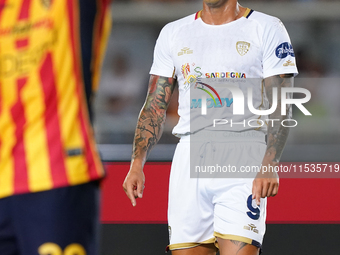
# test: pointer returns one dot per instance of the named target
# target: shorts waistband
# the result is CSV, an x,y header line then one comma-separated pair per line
x,y
225,136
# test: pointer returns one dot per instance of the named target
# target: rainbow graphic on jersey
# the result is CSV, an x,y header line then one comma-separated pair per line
x,y
201,85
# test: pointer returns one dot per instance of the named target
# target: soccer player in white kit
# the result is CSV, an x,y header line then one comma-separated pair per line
x,y
224,40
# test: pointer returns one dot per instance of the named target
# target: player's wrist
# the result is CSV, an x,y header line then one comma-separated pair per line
x,y
269,165
137,165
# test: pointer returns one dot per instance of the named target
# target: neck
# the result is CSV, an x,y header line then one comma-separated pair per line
x,y
222,12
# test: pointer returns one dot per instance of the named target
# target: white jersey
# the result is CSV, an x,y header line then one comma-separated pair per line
x,y
254,46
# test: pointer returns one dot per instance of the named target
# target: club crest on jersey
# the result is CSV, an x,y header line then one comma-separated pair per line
x,y
242,47
46,3
284,49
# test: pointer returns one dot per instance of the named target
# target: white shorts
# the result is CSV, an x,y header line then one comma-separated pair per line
x,y
201,209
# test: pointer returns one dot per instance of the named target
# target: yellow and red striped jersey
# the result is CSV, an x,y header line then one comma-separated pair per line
x,y
50,57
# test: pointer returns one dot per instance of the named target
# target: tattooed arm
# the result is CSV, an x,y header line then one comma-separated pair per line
x,y
148,131
267,184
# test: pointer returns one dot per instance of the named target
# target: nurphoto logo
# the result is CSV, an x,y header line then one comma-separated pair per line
x,y
241,96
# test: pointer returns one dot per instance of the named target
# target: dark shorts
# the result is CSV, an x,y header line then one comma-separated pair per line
x,y
62,221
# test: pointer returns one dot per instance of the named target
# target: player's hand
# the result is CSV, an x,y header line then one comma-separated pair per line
x,y
134,184
266,183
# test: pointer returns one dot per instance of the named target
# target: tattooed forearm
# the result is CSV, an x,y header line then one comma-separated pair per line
x,y
152,116
277,134
239,244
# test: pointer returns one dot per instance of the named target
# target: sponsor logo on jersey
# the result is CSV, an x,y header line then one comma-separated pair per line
x,y
22,29
242,47
289,63
169,229
251,227
185,50
189,78
212,102
19,63
225,75
284,49
192,73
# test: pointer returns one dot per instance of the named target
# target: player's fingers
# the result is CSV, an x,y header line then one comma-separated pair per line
x,y
275,189
270,190
265,187
130,193
253,191
258,191
140,187
135,194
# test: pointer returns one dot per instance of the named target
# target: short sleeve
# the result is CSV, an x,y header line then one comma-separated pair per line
x,y
162,61
278,53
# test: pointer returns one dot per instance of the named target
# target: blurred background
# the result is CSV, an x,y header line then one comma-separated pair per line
x,y
313,25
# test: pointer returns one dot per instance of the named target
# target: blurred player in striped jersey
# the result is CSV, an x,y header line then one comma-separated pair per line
x,y
224,40
50,57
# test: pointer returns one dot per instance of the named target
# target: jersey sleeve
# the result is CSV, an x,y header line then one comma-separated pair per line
x,y
162,61
278,53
